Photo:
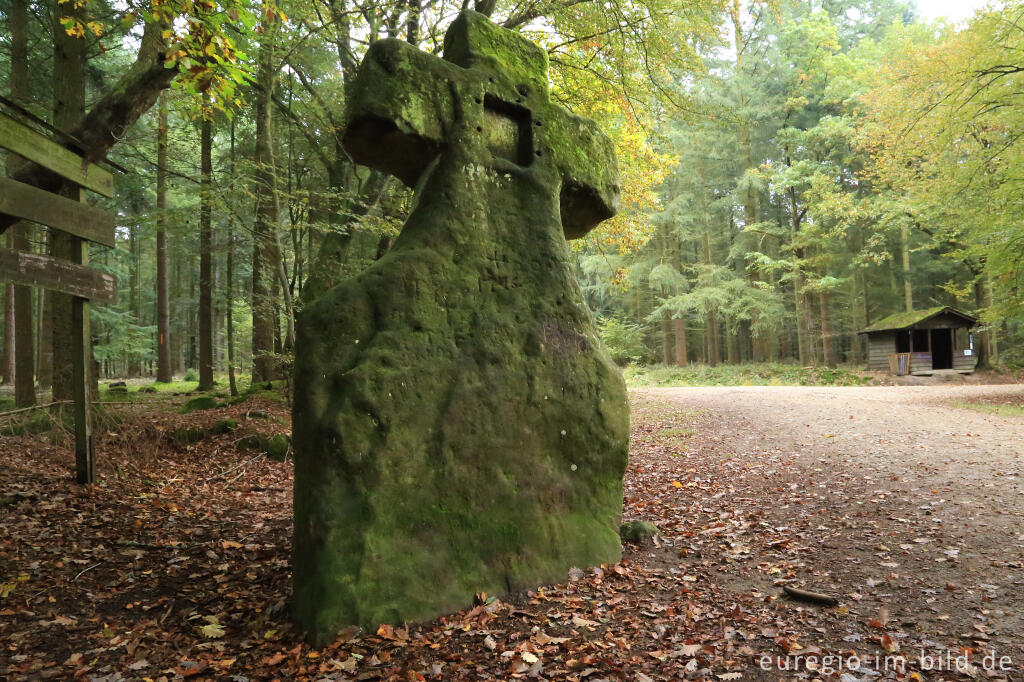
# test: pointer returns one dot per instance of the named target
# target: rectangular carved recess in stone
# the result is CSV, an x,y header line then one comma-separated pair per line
x,y
508,130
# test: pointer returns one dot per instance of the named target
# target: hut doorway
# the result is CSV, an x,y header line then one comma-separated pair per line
x,y
942,348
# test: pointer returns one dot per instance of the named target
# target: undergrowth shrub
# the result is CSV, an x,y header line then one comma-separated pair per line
x,y
761,374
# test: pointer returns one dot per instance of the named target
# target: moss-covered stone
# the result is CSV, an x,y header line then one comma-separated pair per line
x,y
224,426
187,435
457,426
200,402
253,441
277,447
638,532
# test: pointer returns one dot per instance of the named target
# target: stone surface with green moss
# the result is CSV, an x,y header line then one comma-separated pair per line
x,y
457,426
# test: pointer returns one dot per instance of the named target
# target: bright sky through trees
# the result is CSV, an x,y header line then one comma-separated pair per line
x,y
955,10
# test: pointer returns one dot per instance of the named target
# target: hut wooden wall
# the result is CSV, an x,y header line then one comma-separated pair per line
x,y
961,361
880,346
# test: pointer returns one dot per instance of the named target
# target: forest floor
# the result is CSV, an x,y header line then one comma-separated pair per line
x,y
900,502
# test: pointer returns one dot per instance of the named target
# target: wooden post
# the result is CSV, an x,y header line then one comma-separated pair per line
x,y
81,352
71,276
82,359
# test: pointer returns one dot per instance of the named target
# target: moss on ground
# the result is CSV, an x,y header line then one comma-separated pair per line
x,y
638,532
756,374
1000,410
200,402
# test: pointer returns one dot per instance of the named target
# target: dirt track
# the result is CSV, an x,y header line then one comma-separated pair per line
x,y
906,508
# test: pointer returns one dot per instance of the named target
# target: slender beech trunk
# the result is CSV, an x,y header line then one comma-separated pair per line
x,y
179,332
264,258
229,300
712,343
751,206
229,295
827,342
908,294
813,338
205,253
283,282
132,367
163,310
985,346
801,334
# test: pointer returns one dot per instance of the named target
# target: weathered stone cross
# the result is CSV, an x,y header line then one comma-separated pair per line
x,y
489,94
457,426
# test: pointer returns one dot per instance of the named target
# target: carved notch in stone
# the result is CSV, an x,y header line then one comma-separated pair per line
x,y
509,130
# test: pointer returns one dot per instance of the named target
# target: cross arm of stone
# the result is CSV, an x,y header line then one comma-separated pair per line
x,y
408,107
398,109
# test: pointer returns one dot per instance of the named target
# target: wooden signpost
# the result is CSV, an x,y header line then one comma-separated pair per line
x,y
72,277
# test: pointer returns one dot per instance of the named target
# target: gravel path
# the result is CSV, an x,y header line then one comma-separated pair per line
x,y
907,508
896,426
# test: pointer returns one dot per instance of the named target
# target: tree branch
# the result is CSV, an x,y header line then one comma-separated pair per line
x,y
112,116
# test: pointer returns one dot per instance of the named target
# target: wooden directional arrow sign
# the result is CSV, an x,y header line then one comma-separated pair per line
x,y
30,203
32,270
42,150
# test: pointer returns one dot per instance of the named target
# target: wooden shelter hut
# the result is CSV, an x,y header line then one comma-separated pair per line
x,y
922,342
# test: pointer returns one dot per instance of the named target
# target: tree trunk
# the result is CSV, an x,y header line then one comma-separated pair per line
x,y
113,114
666,339
68,109
985,348
24,346
7,362
177,335
803,353
229,300
264,259
827,344
163,310
680,330
713,347
732,346
809,330
282,275
412,28
992,335
229,296
44,350
908,294
206,255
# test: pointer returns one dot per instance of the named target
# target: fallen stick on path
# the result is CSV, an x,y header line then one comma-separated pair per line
x,y
813,597
228,471
34,407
